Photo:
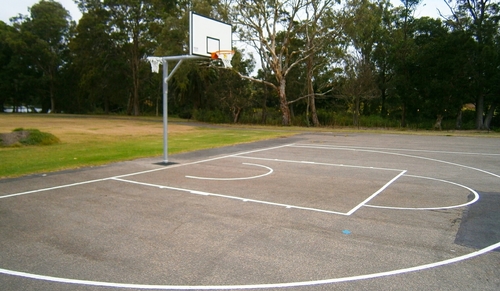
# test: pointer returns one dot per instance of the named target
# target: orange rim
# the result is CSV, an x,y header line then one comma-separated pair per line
x,y
216,55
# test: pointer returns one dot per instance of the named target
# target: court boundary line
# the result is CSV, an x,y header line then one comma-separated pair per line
x,y
333,147
131,174
256,286
398,149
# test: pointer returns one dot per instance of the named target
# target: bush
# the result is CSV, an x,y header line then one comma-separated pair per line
x,y
36,137
212,116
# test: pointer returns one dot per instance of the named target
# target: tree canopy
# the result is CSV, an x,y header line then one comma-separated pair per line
x,y
297,62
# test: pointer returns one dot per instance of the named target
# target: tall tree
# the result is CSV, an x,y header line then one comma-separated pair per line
x,y
383,52
481,19
46,34
136,25
442,73
274,24
5,62
404,47
99,61
359,84
363,30
320,33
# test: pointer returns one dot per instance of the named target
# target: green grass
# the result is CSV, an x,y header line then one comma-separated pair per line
x,y
21,161
91,141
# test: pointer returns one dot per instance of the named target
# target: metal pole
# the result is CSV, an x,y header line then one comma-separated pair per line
x,y
166,77
165,111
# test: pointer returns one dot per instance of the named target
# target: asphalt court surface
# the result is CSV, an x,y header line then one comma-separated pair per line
x,y
313,212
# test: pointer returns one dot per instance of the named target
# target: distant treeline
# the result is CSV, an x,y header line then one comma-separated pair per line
x,y
320,63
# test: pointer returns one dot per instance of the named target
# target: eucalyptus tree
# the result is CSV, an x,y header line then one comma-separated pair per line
x,y
481,19
363,29
442,70
322,31
358,84
384,51
134,26
45,34
131,21
272,26
98,61
6,54
404,47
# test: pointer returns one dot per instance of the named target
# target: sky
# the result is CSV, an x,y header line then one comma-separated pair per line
x,y
11,8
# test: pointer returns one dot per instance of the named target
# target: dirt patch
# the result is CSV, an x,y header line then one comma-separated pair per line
x,y
9,139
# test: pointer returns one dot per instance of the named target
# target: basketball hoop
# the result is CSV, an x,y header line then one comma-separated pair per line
x,y
155,63
225,56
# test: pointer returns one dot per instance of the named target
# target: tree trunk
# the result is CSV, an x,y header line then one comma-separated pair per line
x,y
479,112
356,111
52,95
285,110
310,92
263,119
458,123
52,102
129,104
403,115
489,116
236,113
437,125
135,78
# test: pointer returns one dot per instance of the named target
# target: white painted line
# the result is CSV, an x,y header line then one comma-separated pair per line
x,y
403,155
376,193
236,179
391,149
255,286
319,164
230,197
476,197
200,193
151,185
134,174
53,188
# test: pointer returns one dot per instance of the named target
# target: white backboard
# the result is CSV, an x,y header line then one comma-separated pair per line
x,y
208,35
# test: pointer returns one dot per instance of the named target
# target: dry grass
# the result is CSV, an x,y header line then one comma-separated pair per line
x,y
75,129
97,140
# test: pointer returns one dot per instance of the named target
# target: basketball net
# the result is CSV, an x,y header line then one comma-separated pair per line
x,y
224,56
155,63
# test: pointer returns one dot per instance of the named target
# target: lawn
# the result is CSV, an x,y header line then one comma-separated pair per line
x,y
97,140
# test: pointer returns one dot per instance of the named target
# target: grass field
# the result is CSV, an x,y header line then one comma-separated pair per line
x,y
94,140
97,140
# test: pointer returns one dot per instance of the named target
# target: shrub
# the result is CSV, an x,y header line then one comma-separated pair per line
x,y
36,137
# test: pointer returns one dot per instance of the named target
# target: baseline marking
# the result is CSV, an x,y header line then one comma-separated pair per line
x,y
396,154
257,286
136,173
396,149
